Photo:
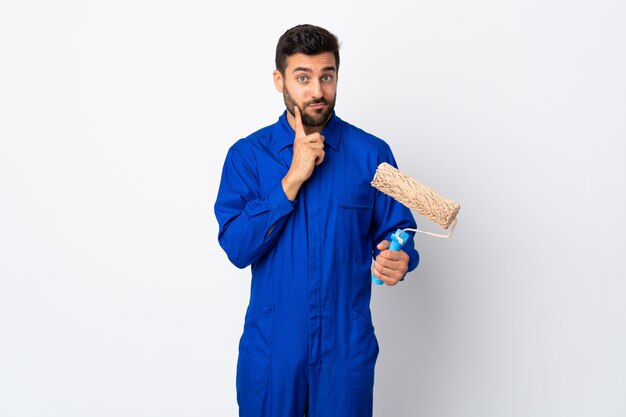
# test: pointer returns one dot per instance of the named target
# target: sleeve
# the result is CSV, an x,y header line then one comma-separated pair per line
x,y
249,223
390,215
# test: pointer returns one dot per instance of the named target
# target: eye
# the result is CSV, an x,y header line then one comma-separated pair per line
x,y
303,78
327,78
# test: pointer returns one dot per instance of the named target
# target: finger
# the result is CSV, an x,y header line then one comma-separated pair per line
x,y
315,138
383,245
392,264
379,272
320,157
400,264
394,255
390,272
299,128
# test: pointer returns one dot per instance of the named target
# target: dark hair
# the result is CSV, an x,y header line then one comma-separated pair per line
x,y
306,39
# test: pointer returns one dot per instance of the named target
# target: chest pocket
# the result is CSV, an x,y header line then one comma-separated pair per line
x,y
355,204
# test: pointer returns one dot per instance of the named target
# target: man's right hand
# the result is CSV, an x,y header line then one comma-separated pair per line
x,y
308,152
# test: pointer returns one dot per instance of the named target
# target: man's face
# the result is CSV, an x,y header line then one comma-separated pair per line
x,y
309,82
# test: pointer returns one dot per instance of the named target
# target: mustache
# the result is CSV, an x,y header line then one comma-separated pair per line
x,y
312,102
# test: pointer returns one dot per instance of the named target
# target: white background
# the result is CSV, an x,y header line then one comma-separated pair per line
x,y
115,117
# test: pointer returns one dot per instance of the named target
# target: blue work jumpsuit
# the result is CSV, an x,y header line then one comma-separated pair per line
x,y
308,345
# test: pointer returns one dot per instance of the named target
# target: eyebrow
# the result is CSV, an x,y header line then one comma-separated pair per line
x,y
325,69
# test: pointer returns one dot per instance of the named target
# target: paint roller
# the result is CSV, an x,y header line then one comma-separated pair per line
x,y
416,196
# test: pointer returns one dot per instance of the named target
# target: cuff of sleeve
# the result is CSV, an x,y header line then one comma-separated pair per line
x,y
414,260
279,200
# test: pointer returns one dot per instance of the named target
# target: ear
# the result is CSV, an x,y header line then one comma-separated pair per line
x,y
278,81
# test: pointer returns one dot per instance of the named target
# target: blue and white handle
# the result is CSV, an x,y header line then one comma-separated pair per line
x,y
397,240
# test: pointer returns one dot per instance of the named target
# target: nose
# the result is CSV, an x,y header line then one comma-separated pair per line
x,y
315,90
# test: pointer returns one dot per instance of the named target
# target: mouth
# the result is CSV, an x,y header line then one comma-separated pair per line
x,y
317,106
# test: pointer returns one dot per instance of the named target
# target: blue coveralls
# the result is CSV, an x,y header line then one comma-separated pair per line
x,y
308,345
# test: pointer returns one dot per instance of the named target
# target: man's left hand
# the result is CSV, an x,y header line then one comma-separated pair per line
x,y
390,266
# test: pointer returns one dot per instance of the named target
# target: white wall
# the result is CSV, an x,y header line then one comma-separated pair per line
x,y
115,298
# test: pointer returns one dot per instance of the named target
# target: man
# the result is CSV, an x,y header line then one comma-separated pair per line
x,y
295,202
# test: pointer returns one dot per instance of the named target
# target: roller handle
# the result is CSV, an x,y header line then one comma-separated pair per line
x,y
397,240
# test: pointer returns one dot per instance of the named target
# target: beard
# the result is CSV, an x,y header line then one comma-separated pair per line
x,y
318,118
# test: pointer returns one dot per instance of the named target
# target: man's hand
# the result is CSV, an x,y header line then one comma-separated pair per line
x,y
308,152
390,266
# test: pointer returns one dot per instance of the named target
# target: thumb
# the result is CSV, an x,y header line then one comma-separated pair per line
x,y
299,128
383,245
